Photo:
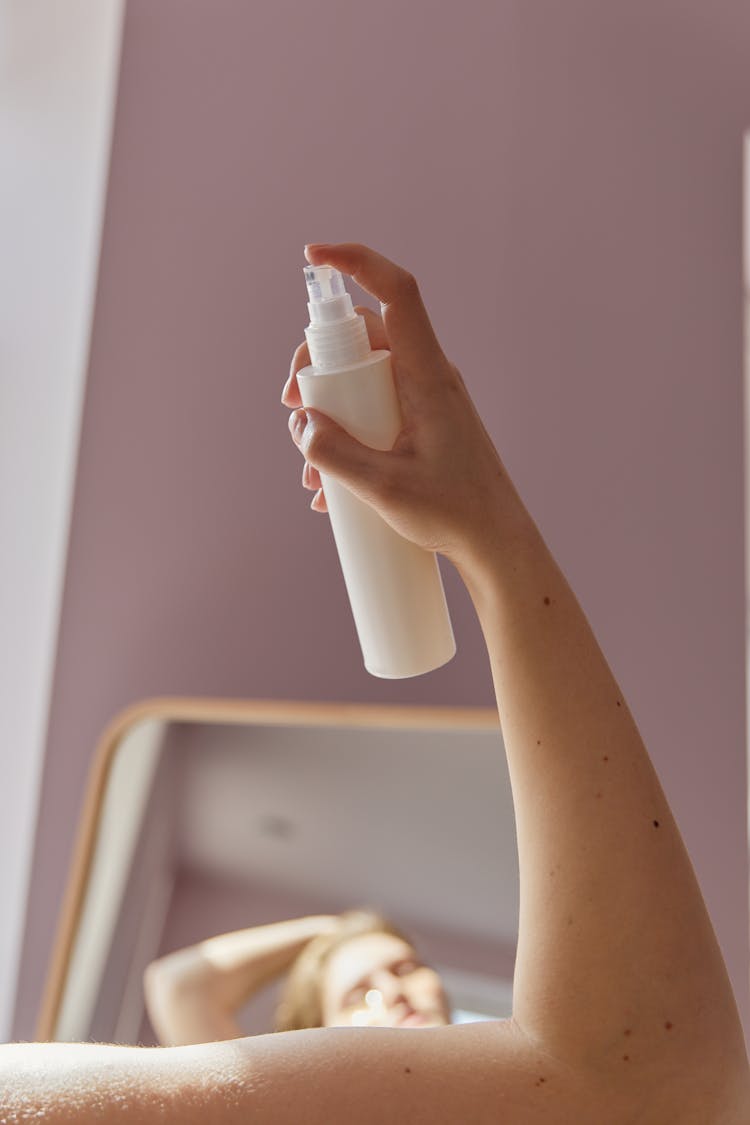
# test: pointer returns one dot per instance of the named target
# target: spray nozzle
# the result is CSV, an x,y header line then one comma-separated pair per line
x,y
329,300
324,282
337,335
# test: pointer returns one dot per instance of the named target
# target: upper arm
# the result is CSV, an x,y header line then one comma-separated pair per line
x,y
485,1073
489,1073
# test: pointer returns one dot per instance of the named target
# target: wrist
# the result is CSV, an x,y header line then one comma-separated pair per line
x,y
490,558
317,924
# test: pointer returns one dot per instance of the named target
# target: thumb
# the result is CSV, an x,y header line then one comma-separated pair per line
x,y
329,448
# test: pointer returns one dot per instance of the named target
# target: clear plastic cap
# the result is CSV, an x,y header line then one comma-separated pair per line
x,y
329,300
336,335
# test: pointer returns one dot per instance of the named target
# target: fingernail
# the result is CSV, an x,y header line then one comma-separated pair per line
x,y
314,246
297,423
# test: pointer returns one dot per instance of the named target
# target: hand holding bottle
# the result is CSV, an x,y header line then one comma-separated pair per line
x,y
394,585
442,485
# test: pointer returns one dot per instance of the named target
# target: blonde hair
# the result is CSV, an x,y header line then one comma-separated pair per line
x,y
301,1003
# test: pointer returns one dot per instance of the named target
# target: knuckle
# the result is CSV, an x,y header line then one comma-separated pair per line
x,y
407,284
455,378
312,444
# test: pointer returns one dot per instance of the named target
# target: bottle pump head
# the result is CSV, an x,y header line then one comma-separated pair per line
x,y
337,335
329,300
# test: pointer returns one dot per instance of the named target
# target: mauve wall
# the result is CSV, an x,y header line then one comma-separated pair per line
x,y
564,180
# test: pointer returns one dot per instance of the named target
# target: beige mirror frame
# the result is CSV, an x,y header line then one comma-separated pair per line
x,y
155,715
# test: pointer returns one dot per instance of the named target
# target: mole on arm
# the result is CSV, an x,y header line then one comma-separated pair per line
x,y
407,1070
546,601
656,824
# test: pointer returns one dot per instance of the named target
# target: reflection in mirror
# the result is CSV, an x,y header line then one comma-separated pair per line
x,y
250,814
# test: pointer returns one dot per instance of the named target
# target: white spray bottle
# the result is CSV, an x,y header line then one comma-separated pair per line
x,y
394,586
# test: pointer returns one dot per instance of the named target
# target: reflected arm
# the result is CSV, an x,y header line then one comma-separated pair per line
x,y
192,995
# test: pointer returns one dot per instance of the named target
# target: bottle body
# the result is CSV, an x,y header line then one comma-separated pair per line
x,y
395,588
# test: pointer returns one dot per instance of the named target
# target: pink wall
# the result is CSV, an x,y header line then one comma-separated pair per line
x,y
564,180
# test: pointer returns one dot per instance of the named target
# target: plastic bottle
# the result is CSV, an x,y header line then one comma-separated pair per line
x,y
394,586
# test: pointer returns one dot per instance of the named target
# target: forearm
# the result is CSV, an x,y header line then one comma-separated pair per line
x,y
616,951
193,993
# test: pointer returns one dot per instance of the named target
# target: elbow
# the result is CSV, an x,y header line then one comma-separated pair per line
x,y
180,1001
170,989
174,974
153,981
159,996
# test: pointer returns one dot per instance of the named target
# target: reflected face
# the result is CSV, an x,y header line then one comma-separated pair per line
x,y
378,980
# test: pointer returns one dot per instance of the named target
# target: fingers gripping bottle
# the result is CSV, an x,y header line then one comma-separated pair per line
x,y
394,586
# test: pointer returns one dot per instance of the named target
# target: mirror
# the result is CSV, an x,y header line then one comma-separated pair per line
x,y
204,816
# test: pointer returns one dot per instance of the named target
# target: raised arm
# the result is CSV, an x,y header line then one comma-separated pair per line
x,y
617,966
622,1007
193,994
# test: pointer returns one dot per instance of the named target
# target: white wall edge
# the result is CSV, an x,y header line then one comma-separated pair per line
x,y
746,398
59,65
